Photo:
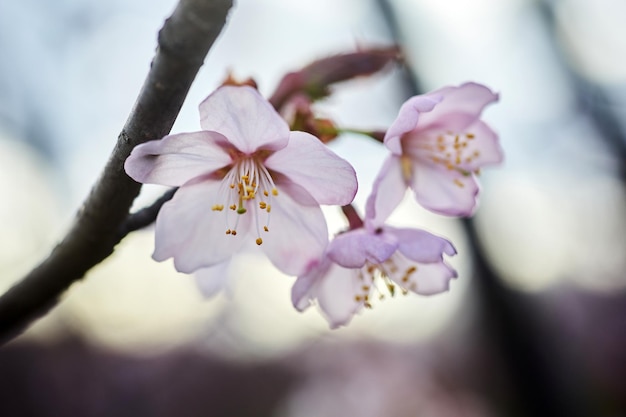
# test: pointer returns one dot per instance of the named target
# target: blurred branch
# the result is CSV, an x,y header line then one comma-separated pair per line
x,y
508,320
183,43
590,96
144,217
314,79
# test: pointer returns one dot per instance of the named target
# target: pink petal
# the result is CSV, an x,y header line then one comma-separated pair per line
x,y
421,246
194,235
303,292
387,192
408,116
468,99
353,249
213,280
312,165
422,278
297,230
176,159
334,289
248,121
484,147
433,278
444,191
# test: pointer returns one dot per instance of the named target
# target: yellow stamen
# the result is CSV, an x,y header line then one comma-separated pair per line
x,y
405,164
274,192
217,207
266,228
259,241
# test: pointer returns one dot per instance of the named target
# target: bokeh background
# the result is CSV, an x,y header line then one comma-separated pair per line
x,y
536,323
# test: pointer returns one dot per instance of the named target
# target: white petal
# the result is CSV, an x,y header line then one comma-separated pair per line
x,y
176,159
445,191
387,192
248,120
190,231
354,248
420,245
212,280
297,230
312,165
468,99
423,278
411,112
335,295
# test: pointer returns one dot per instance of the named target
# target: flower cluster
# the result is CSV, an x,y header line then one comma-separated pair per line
x,y
245,177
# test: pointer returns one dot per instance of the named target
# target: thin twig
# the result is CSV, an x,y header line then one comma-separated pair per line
x,y
183,43
144,217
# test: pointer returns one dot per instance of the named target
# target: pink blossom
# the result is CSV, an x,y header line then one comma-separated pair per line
x,y
365,263
243,178
438,144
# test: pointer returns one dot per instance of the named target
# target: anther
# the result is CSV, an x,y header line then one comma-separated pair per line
x,y
274,192
266,228
233,207
459,183
233,232
259,241
469,135
265,193
228,231
217,207
263,205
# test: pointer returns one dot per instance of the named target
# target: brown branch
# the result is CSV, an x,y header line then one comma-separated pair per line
x,y
183,43
314,79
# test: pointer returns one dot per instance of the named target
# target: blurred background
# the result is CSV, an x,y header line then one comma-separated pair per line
x,y
534,325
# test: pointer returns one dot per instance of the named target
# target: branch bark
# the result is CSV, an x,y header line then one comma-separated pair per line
x,y
183,43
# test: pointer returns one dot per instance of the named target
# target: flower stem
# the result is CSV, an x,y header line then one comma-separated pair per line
x,y
353,217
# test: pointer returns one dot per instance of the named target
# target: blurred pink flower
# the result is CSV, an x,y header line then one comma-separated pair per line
x,y
243,170
438,145
357,262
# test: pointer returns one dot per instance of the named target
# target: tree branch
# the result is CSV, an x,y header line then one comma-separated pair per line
x,y
183,42
144,217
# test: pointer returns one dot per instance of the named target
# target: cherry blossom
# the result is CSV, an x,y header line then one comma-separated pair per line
x,y
369,261
438,145
243,178
362,264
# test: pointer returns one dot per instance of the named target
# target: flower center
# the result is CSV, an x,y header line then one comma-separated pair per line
x,y
452,151
390,274
247,189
